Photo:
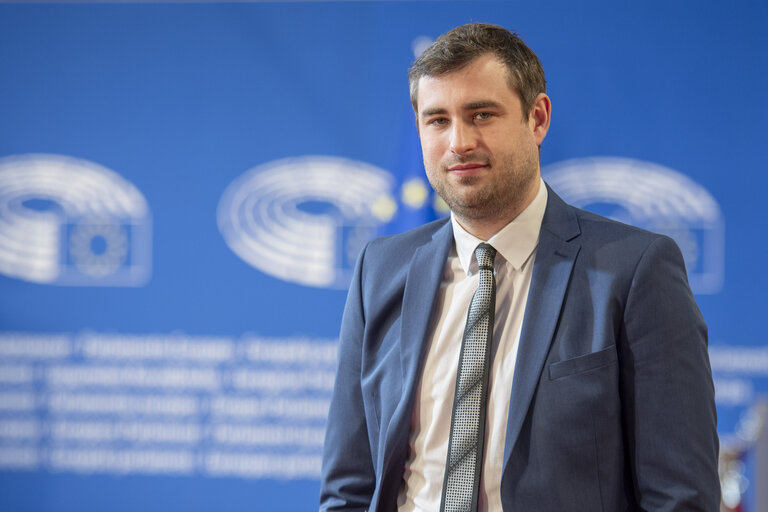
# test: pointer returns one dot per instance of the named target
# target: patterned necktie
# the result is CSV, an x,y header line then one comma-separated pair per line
x,y
461,483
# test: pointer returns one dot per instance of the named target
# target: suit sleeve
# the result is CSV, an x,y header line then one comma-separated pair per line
x,y
348,478
667,390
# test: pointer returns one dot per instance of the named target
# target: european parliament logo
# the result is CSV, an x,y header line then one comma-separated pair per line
x,y
305,219
652,197
66,221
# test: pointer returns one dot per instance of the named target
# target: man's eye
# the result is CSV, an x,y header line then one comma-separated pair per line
x,y
437,121
483,115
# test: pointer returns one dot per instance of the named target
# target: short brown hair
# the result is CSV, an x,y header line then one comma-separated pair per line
x,y
457,48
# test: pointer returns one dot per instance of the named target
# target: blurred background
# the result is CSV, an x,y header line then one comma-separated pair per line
x,y
184,188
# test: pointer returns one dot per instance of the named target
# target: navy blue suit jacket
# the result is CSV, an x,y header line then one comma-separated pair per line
x,y
612,405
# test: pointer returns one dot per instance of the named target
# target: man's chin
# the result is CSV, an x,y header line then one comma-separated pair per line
x,y
468,180
469,207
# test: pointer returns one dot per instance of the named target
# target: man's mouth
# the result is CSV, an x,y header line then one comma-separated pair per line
x,y
467,169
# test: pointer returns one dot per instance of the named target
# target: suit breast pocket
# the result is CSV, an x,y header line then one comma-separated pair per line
x,y
582,364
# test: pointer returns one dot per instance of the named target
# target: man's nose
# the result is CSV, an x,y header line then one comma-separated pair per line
x,y
463,138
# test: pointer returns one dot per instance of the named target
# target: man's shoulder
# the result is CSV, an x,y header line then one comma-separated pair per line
x,y
408,241
602,234
594,224
385,261
591,225
624,241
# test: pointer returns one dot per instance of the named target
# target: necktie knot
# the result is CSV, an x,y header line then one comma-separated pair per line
x,y
485,253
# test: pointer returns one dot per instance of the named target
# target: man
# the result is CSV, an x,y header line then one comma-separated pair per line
x,y
595,391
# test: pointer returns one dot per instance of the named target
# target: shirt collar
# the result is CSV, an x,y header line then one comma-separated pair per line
x,y
515,241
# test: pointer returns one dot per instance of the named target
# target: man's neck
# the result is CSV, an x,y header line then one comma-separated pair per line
x,y
485,228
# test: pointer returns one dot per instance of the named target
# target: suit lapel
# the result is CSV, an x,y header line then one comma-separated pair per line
x,y
555,257
421,288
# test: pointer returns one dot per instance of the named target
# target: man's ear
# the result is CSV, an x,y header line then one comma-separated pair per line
x,y
539,117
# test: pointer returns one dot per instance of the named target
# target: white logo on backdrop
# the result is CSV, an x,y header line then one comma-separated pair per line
x,y
652,197
66,221
305,219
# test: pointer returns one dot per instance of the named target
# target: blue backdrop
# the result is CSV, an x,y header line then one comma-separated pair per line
x,y
184,187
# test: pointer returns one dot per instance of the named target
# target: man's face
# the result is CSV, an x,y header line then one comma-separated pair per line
x,y
480,149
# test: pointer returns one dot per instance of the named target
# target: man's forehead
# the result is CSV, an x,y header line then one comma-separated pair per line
x,y
486,61
482,79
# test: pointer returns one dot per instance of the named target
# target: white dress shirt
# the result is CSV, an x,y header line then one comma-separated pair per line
x,y
431,419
